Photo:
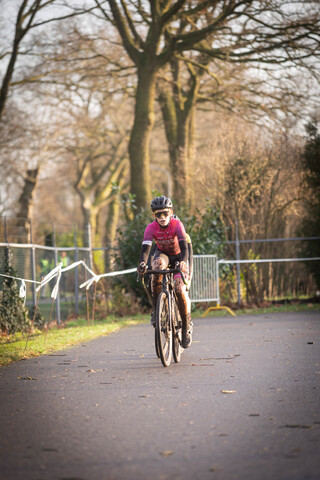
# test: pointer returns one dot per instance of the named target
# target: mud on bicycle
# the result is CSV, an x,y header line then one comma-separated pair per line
x,y
168,326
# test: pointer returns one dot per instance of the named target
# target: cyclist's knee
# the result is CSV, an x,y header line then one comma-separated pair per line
x,y
159,264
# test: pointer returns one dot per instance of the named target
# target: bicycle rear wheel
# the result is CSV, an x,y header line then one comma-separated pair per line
x,y
177,335
156,342
163,330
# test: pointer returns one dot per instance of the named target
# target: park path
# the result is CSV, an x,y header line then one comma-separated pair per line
x,y
243,404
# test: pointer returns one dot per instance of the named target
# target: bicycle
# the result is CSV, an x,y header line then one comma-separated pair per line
x,y
168,329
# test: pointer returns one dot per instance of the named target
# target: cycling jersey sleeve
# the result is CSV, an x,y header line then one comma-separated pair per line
x,y
148,235
180,230
144,254
184,250
146,244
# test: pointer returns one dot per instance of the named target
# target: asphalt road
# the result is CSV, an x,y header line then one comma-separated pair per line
x,y
108,409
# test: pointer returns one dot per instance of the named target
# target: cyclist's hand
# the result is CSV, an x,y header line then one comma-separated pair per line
x,y
184,268
142,268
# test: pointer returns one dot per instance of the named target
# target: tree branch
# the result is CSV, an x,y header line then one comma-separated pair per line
x,y
128,42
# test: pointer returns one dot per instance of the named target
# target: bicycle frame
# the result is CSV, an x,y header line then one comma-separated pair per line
x,y
168,284
168,327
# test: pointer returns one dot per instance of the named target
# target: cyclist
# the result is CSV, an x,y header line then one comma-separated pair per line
x,y
171,247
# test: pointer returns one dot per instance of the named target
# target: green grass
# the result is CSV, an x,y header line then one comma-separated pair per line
x,y
20,346
279,308
299,307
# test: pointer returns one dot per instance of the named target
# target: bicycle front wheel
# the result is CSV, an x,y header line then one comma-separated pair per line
x,y
156,342
163,329
177,334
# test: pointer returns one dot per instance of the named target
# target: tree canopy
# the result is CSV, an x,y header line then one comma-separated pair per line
x,y
276,33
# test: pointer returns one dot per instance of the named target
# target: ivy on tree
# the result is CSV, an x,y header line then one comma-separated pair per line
x,y
13,313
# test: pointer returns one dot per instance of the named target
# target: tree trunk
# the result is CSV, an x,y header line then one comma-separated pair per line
x,y
25,203
191,156
111,231
88,217
179,129
140,135
181,158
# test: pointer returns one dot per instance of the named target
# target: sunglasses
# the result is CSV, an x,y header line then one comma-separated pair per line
x,y
159,214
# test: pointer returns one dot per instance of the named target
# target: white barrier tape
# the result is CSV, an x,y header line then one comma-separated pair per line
x,y
23,291
89,282
76,264
55,289
23,287
96,278
18,278
58,270
112,274
81,262
269,260
50,276
45,247
73,265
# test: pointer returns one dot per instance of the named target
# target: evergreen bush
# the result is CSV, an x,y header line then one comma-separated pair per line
x,y
38,319
13,313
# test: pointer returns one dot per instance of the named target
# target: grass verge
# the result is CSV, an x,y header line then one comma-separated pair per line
x,y
278,308
21,346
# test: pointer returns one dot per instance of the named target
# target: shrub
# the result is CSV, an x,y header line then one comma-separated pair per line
x,y
38,319
13,313
129,242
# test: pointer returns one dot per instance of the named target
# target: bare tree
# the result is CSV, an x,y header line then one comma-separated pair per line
x,y
193,83
91,120
254,177
29,16
273,32
25,148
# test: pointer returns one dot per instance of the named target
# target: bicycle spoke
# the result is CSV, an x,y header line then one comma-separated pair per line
x,y
164,333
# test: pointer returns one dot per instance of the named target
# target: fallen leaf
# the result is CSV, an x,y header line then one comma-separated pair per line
x,y
298,426
202,364
27,378
167,453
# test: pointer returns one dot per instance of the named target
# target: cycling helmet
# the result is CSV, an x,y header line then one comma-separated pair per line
x,y
158,203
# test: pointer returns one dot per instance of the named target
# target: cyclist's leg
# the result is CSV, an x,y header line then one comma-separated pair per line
x,y
184,310
160,262
184,305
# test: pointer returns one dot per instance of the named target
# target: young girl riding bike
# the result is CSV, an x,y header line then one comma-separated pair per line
x,y
171,247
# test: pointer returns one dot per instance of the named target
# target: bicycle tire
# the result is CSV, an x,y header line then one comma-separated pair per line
x,y
163,330
177,335
156,342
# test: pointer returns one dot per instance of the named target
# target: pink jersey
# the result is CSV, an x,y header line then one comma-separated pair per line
x,y
167,239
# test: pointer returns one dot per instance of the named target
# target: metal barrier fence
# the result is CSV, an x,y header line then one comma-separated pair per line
x,y
205,280
33,262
